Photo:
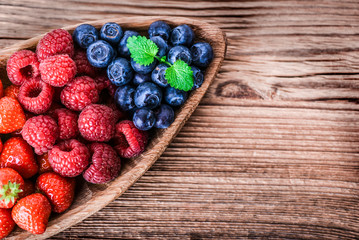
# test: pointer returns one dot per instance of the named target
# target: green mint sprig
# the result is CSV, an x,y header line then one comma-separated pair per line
x,y
144,51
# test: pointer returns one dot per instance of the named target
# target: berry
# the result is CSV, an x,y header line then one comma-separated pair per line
x,y
129,141
100,54
97,123
144,119
175,97
22,66
158,75
11,184
79,93
148,95
161,44
142,69
28,189
69,158
102,82
32,213
182,35
198,77
6,223
105,164
36,96
58,41
124,97
59,190
1,89
12,116
58,70
41,133
67,122
202,54
179,52
122,46
117,113
12,91
159,28
83,65
164,116
111,32
43,163
18,155
140,78
120,72
1,145
85,34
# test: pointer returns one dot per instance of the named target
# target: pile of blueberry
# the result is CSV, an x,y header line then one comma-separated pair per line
x,y
143,91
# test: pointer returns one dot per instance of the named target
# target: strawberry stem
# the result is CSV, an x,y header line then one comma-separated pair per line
x,y
9,192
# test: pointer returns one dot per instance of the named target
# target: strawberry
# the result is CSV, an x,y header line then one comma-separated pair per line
x,y
59,190
12,116
44,164
6,222
1,89
18,155
11,184
28,189
0,145
32,213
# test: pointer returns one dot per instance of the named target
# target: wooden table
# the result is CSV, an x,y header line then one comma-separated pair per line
x,y
273,149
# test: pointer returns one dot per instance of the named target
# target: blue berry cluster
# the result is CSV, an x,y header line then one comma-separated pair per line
x,y
143,91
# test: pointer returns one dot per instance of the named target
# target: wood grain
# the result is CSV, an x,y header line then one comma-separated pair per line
x,y
272,152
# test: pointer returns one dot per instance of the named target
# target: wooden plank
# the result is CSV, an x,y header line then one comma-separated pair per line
x,y
272,151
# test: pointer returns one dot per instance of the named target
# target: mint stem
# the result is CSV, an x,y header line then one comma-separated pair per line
x,y
163,61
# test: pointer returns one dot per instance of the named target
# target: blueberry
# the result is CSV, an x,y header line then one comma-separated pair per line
x,y
164,116
111,32
148,95
202,54
85,34
144,119
175,97
158,75
100,54
198,77
142,69
179,52
161,44
182,35
159,28
124,97
141,78
120,72
122,46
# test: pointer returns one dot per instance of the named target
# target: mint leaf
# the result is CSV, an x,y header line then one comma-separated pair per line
x,y
143,50
180,76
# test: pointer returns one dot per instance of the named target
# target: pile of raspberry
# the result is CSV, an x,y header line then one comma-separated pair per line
x,y
70,113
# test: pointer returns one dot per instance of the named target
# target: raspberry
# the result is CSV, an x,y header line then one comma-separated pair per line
x,y
129,141
69,158
67,122
97,123
41,133
12,91
22,66
58,70
118,114
112,89
102,82
79,93
83,65
105,165
36,96
58,41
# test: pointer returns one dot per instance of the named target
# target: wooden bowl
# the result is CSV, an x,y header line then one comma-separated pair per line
x,y
91,198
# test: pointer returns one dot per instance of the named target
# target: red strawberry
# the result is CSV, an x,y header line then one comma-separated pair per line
x,y
44,164
12,91
11,184
32,213
6,222
59,190
12,116
28,189
1,89
18,155
0,145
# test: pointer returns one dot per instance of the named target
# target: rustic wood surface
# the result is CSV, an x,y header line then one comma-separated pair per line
x,y
273,149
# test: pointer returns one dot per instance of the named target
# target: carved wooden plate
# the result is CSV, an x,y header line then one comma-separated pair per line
x,y
91,198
